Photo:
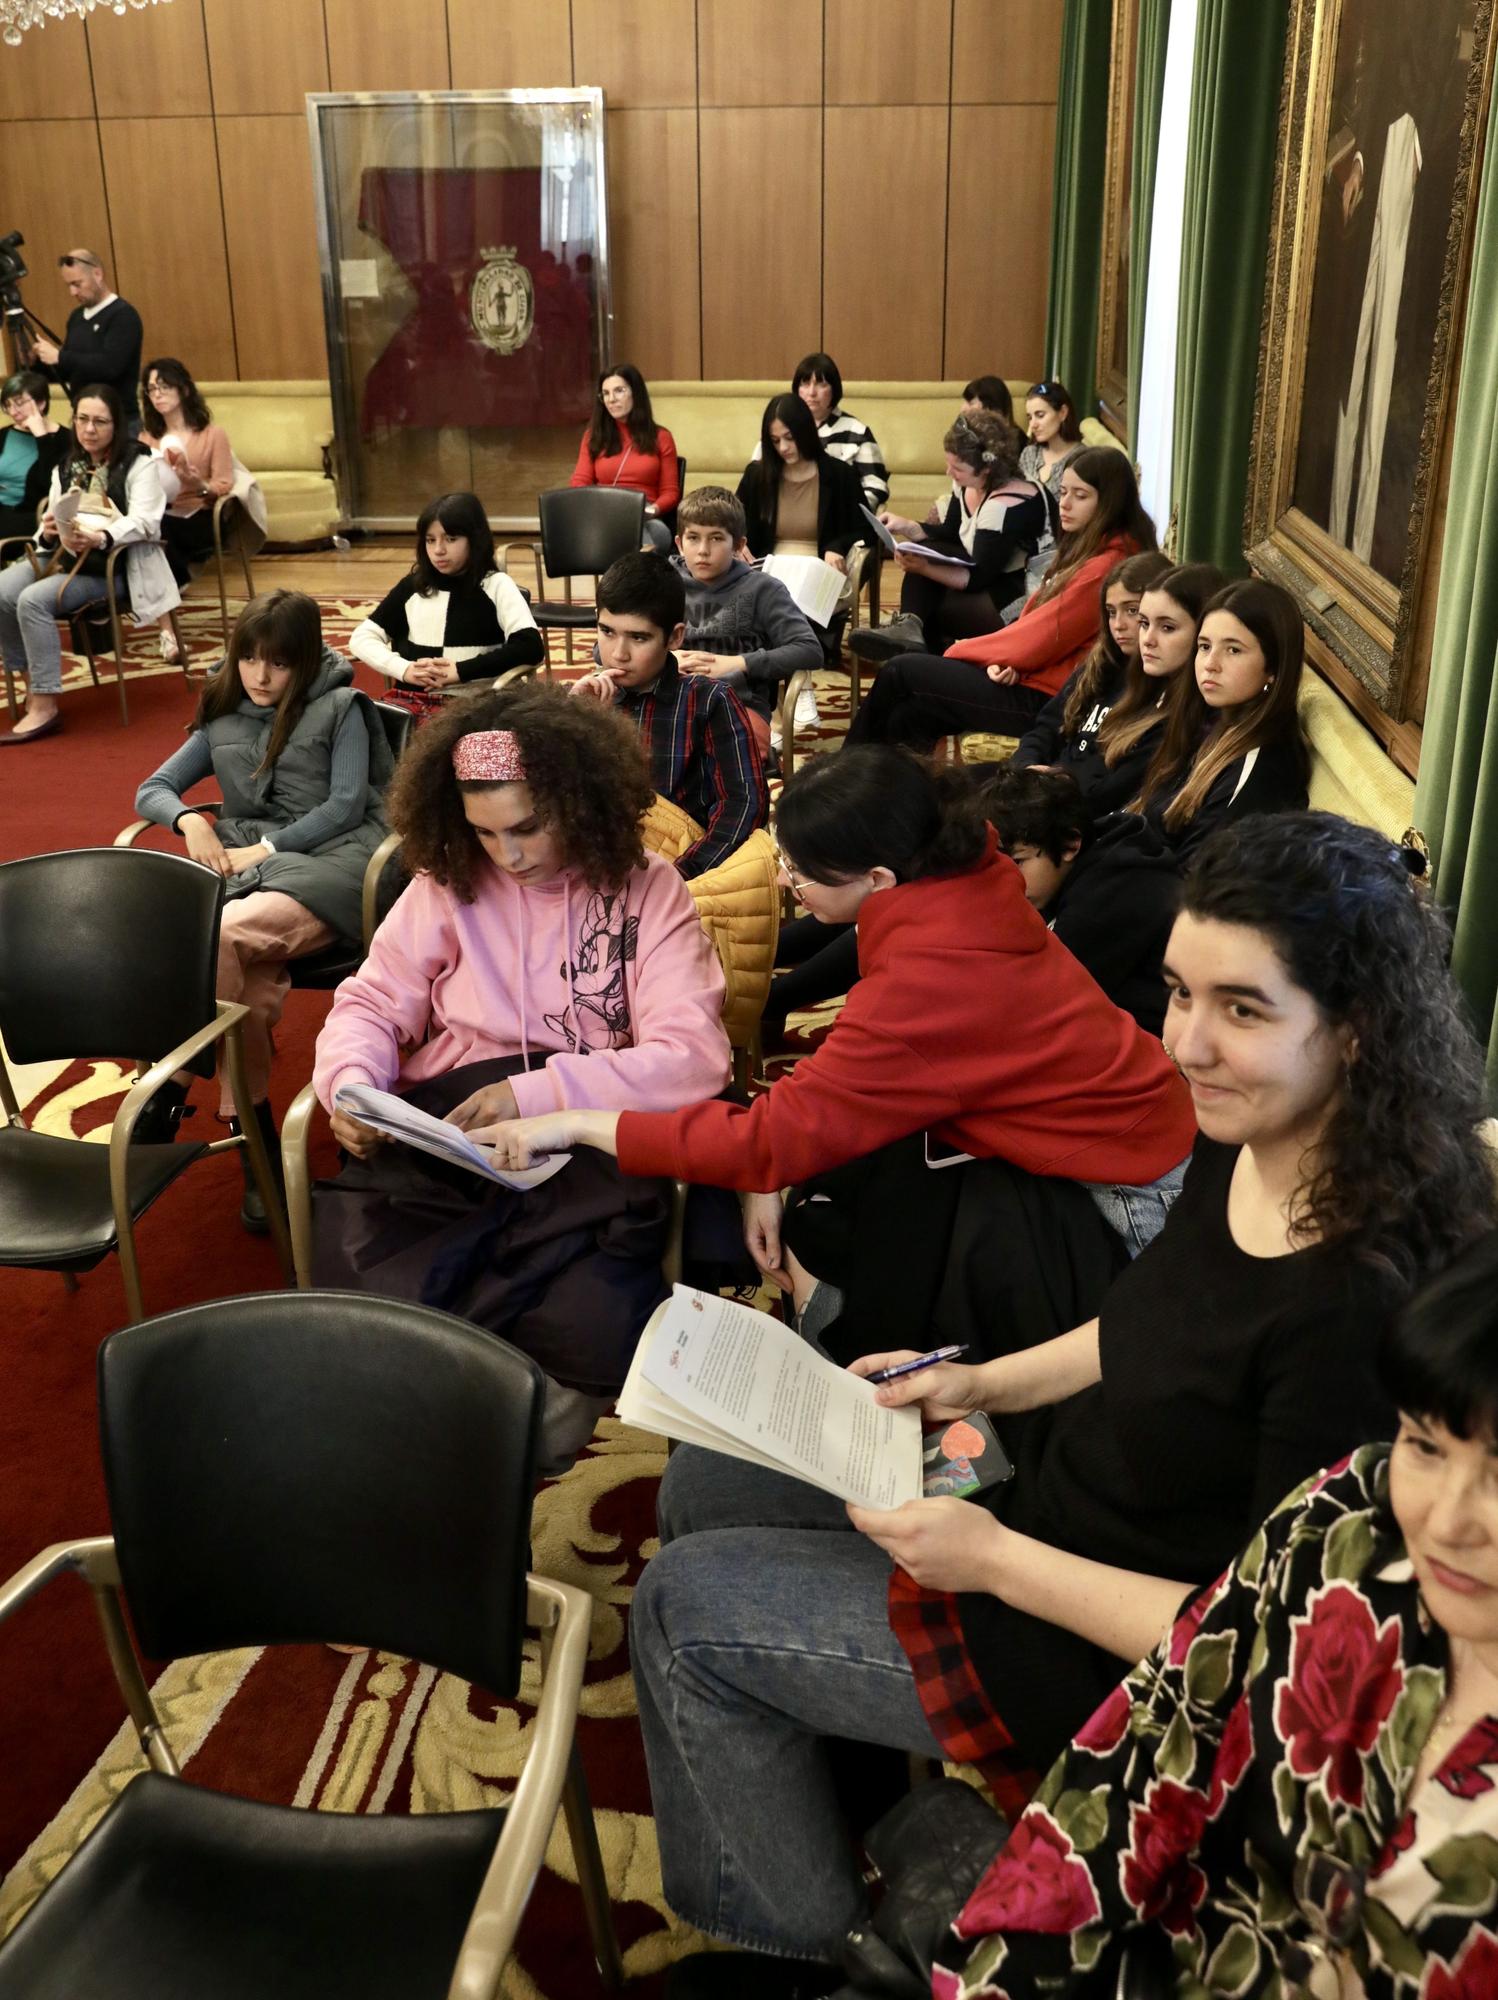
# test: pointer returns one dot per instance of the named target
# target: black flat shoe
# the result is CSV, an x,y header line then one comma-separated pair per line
x,y
252,1215
18,738
161,1115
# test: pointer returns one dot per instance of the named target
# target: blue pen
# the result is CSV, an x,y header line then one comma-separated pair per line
x,y
912,1367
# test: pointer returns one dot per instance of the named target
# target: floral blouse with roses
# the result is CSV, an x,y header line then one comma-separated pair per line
x,y
1241,1805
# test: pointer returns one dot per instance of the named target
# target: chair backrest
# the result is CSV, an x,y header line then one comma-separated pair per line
x,y
106,951
585,528
297,1466
397,724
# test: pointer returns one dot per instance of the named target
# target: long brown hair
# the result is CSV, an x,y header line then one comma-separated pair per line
x,y
1135,574
1118,515
1141,708
1201,742
284,627
604,440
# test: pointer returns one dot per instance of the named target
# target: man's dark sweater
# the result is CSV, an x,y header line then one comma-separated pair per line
x,y
104,348
1114,912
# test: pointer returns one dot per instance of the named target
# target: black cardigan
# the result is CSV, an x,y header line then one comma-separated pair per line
x,y
839,522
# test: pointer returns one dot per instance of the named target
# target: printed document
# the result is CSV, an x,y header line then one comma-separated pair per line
x,y
399,1120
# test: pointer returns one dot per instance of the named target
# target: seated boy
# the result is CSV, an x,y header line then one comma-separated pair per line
x,y
702,752
743,627
1108,888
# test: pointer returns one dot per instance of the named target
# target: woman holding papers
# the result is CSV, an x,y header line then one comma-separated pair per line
x,y
1002,680
797,498
972,1032
539,960
1341,1167
991,521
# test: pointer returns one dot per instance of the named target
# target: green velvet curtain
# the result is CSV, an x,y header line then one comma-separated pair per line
x,y
1149,88
1456,799
1077,199
1231,142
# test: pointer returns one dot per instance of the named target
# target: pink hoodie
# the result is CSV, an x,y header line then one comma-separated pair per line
x,y
516,971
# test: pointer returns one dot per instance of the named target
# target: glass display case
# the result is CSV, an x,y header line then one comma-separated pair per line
x,y
464,242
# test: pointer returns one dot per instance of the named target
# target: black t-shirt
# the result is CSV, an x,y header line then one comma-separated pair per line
x,y
1226,1380
1106,787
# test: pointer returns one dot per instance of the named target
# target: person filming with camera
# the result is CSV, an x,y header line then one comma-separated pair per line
x,y
102,339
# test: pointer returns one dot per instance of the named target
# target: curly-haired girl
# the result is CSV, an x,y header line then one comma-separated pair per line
x,y
538,960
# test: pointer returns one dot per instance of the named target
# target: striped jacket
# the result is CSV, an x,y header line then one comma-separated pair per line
x,y
855,444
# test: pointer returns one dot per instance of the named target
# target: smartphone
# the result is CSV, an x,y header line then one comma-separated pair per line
x,y
963,1457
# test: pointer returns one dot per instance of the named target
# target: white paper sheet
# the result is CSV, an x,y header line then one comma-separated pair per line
x,y
400,1120
815,585
893,545
710,1372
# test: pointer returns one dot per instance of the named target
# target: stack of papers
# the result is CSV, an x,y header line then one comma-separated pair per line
x,y
399,1120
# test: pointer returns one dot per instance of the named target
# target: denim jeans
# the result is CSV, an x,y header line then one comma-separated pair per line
x,y
760,1629
1138,1213
29,639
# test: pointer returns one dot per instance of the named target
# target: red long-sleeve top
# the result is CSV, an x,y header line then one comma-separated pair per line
x,y
972,1021
655,474
1048,639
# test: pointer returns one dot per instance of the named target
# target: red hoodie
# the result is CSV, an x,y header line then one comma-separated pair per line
x,y
1048,639
970,1020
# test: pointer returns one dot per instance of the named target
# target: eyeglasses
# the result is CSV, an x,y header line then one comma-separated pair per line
x,y
797,882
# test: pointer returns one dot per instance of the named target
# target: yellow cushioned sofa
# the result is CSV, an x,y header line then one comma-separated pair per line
x,y
282,431
716,427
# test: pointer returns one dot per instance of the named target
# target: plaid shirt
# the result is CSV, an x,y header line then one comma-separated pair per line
x,y
703,757
963,1720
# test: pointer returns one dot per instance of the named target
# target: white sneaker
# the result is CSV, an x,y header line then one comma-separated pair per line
x,y
806,709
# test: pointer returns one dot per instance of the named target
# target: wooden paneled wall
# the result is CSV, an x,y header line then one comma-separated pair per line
x,y
863,175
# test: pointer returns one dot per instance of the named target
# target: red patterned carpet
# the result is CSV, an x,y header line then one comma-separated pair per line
x,y
371,1734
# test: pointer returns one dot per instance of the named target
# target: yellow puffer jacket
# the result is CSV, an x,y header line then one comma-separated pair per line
x,y
739,904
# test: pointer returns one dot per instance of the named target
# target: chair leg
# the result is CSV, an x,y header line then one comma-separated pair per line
x,y
249,574
176,631
10,695
590,1876
223,597
116,633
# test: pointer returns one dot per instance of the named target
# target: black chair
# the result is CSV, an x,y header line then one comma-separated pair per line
x,y
384,877
583,530
286,1468
108,953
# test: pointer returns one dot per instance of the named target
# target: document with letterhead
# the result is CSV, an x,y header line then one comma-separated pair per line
x,y
714,1373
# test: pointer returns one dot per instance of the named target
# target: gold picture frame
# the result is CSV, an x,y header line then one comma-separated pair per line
x,y
1113,333
1380,147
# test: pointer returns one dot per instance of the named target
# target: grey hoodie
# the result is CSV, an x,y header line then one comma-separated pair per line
x,y
745,611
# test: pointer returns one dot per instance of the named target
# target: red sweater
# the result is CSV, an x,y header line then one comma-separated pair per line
x,y
654,473
1048,639
971,1020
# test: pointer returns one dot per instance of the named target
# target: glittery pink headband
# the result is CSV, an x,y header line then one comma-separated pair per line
x,y
488,757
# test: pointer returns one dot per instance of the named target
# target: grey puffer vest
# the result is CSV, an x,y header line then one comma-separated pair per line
x,y
328,879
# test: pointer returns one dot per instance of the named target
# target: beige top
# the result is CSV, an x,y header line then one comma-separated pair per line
x,y
210,463
796,516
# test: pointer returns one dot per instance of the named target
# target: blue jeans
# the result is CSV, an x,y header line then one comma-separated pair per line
x,y
1138,1213
29,640
760,1629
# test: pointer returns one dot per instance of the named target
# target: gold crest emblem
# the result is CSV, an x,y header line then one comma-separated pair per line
x,y
502,304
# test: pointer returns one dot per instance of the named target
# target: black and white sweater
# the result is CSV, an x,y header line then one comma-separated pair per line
x,y
483,628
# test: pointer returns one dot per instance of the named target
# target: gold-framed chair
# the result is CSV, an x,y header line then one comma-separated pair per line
x,y
225,511
83,617
271,1482
130,971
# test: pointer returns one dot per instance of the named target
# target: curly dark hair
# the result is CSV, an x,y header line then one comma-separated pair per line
x,y
587,775
1401,1172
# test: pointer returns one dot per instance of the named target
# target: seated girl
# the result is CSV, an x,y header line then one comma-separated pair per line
x,y
539,960
797,498
991,393
624,446
1055,438
301,767
1297,1820
1076,729
1232,742
1339,1092
455,618
973,1032
992,516
1002,680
